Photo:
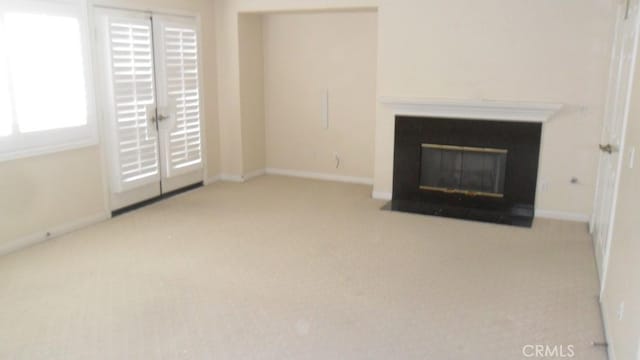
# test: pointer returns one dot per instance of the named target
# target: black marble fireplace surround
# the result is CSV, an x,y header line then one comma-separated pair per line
x,y
480,170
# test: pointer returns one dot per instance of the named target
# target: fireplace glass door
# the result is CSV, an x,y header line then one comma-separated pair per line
x,y
470,171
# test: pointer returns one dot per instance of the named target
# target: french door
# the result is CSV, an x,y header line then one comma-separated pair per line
x,y
151,103
616,117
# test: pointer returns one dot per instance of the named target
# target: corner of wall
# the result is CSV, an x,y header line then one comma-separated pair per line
x,y
251,73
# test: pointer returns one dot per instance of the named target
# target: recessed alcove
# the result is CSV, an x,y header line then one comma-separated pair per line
x,y
308,93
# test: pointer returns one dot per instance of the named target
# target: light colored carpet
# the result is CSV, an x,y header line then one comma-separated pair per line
x,y
283,268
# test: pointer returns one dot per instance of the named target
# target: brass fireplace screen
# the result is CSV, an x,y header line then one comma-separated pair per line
x,y
471,171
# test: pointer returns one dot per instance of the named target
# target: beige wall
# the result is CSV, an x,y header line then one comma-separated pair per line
x,y
538,51
252,93
43,192
306,53
52,191
622,282
227,40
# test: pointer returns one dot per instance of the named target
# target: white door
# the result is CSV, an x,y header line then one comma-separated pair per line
x,y
176,45
150,103
615,121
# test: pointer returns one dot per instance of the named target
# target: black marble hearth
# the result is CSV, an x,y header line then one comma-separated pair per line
x,y
469,169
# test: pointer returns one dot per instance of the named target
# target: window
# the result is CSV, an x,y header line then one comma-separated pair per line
x,y
6,115
44,77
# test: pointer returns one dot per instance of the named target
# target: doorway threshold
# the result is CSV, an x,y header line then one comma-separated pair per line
x,y
161,197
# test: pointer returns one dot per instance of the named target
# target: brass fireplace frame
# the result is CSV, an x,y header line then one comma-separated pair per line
x,y
468,149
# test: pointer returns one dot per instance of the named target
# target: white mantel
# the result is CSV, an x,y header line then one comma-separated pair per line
x,y
472,109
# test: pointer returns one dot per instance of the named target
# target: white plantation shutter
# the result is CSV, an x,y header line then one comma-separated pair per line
x,y
134,135
177,62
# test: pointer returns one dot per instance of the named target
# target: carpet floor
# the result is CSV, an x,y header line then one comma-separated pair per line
x,y
285,268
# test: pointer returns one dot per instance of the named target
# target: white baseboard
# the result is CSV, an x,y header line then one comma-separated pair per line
x,y
211,180
381,195
562,215
231,178
254,174
56,231
320,176
605,324
235,178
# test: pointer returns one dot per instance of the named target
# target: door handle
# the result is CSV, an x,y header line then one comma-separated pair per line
x,y
160,117
626,9
609,149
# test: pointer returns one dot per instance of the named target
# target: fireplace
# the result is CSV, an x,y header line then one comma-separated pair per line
x,y
471,169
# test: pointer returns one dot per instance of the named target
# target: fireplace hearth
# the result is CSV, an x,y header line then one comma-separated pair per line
x,y
470,169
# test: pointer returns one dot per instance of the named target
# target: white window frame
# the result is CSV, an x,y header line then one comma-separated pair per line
x,y
21,145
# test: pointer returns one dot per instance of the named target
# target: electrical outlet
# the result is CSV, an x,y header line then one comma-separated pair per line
x,y
544,186
620,311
